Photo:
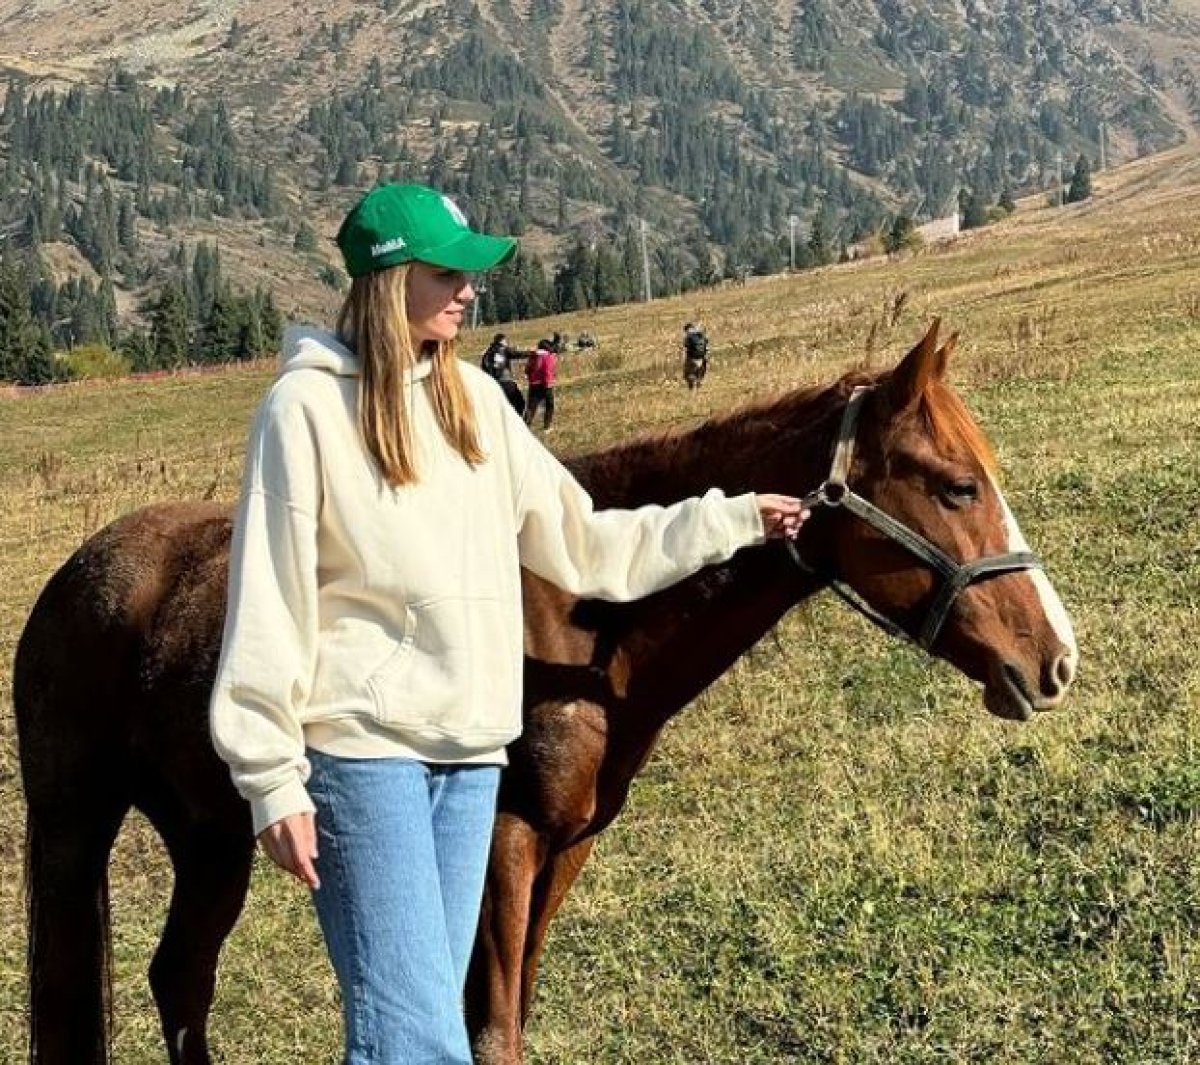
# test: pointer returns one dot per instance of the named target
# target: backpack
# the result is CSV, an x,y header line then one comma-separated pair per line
x,y
696,345
493,360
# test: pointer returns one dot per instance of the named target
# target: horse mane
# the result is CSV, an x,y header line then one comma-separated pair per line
x,y
662,466
655,466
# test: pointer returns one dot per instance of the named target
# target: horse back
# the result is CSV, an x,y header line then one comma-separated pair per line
x,y
123,635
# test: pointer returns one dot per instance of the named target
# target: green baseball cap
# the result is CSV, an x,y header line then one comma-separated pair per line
x,y
395,224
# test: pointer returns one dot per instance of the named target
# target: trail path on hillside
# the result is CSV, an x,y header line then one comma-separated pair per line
x,y
567,43
488,13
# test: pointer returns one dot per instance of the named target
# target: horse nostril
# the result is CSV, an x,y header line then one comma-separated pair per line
x,y
1062,672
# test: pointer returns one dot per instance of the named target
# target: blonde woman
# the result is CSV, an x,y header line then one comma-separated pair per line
x,y
370,673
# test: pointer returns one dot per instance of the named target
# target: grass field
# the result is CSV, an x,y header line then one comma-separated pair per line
x,y
836,855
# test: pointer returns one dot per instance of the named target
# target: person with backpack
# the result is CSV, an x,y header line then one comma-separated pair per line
x,y
495,356
695,355
497,364
541,371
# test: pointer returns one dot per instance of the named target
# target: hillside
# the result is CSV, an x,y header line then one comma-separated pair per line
x,y
834,855
715,120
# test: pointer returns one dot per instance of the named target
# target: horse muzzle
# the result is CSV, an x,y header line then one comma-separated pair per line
x,y
1010,694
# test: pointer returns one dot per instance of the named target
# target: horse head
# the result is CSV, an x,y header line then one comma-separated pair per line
x,y
925,539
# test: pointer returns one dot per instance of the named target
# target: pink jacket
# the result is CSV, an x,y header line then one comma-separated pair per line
x,y
542,367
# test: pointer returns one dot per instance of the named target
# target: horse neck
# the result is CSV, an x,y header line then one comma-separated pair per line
x,y
781,446
678,642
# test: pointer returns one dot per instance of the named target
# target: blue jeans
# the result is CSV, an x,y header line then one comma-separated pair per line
x,y
402,855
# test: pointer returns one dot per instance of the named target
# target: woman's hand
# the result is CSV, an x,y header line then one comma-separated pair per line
x,y
782,516
291,843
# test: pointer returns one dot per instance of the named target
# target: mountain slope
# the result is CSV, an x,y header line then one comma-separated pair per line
x,y
566,121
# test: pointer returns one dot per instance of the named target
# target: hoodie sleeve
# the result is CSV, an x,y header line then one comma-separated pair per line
x,y
269,647
621,554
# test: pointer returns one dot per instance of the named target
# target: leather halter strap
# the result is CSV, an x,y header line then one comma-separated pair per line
x,y
835,492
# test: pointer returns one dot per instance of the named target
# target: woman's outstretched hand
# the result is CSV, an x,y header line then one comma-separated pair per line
x,y
291,843
782,516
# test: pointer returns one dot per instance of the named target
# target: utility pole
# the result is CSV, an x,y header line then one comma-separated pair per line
x,y
645,264
1061,192
792,222
480,289
1103,145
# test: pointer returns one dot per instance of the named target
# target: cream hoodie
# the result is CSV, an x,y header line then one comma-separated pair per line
x,y
369,621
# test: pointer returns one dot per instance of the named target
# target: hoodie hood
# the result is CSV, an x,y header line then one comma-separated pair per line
x,y
305,347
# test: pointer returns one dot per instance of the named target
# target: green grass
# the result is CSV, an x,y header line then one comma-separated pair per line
x,y
835,855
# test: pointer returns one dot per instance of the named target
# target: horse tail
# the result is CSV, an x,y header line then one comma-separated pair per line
x,y
70,975
74,809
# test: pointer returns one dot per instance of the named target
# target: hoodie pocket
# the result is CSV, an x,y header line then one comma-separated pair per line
x,y
453,678
396,663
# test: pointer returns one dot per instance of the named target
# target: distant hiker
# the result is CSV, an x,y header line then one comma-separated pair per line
x,y
497,363
495,356
557,343
541,370
585,340
695,355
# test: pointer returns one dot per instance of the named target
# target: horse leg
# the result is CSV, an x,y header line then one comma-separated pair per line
x,y
66,883
520,903
494,984
551,888
212,874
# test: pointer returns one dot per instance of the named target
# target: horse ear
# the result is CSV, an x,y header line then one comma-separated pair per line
x,y
923,365
944,353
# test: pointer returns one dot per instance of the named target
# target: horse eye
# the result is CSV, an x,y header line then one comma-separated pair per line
x,y
960,493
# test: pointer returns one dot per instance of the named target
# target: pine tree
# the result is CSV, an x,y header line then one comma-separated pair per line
x,y
819,249
86,319
903,234
38,366
106,297
250,343
305,239
127,225
270,321
1081,181
974,210
170,328
24,346
611,285
205,280
221,338
704,272
137,346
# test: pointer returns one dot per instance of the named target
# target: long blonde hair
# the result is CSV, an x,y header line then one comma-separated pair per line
x,y
374,323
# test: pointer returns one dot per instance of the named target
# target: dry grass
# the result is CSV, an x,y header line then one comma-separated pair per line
x,y
835,856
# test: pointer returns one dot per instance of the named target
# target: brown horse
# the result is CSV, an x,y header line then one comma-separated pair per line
x,y
114,667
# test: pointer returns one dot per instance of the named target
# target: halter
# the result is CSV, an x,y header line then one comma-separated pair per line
x,y
835,492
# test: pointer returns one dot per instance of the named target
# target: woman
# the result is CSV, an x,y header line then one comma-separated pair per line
x,y
371,665
542,371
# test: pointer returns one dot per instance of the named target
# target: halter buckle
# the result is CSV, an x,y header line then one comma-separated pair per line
x,y
829,493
